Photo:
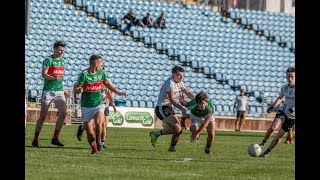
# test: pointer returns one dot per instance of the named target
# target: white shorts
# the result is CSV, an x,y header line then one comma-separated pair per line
x,y
195,120
48,96
88,113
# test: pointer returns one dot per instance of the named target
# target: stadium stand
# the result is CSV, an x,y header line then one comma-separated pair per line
x,y
220,55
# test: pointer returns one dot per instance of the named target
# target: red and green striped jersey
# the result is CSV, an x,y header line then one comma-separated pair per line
x,y
192,105
92,86
55,68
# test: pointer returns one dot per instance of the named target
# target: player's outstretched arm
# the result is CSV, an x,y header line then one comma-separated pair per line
x,y
113,89
182,100
188,93
175,103
276,103
110,97
195,136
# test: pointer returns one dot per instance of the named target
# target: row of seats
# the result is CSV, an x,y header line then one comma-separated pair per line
x,y
113,71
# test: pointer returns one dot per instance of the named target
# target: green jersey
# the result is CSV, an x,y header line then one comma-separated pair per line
x,y
92,86
192,105
55,68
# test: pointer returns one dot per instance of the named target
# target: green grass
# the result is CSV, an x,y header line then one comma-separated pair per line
x,y
130,155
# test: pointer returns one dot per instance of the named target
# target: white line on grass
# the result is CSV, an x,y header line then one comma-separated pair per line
x,y
184,160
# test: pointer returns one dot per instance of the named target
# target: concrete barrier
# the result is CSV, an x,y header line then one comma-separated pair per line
x,y
34,113
223,123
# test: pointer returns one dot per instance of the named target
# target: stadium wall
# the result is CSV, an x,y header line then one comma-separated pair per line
x,y
126,116
34,113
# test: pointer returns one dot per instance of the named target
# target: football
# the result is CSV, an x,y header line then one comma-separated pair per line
x,y
254,150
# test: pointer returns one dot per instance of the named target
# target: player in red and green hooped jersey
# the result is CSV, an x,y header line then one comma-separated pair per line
x,y
108,98
90,84
52,73
202,110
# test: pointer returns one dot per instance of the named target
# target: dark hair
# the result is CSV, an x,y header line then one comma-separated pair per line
x,y
176,69
59,43
94,57
291,69
201,96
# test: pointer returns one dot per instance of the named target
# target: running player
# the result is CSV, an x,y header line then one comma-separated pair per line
x,y
90,84
285,113
172,88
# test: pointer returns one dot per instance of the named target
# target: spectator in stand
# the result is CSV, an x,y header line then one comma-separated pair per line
x,y
160,21
130,19
147,21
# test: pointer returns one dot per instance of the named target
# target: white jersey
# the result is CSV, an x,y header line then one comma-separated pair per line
x,y
163,98
241,102
289,102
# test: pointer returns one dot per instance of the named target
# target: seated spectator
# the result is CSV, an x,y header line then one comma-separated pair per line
x,y
146,21
160,21
130,19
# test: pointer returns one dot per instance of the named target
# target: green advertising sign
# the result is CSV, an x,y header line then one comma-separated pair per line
x,y
139,117
116,119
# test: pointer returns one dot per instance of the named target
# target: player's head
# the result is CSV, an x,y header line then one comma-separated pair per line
x,y
177,73
96,62
131,12
291,76
58,48
201,100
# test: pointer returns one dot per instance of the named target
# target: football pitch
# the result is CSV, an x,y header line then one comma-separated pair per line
x,y
130,155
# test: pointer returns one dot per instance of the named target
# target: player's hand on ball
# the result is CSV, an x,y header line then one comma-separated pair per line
x,y
270,109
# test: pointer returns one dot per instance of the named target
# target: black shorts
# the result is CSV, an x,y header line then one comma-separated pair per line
x,y
240,114
106,111
164,111
287,122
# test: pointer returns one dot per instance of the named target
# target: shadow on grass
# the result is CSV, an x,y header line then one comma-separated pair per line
x,y
178,160
55,147
238,134
129,149
229,133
